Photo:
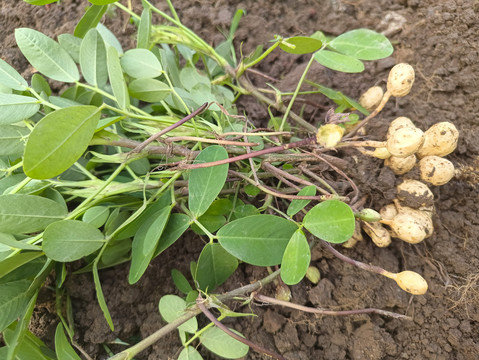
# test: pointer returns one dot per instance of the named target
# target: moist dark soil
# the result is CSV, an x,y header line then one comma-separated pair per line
x,y
439,38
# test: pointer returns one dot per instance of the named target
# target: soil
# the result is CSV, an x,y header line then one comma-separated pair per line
x,y
439,38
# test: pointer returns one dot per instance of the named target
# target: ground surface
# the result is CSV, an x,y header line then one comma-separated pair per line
x,y
439,38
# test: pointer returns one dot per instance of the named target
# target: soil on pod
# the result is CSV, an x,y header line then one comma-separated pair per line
x,y
439,38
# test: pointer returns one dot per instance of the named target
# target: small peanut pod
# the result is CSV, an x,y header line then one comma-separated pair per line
x,y
400,165
436,170
400,80
398,123
378,234
329,135
411,282
371,98
411,225
405,141
440,140
415,194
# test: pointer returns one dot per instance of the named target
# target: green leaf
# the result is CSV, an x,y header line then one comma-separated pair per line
x,y
14,262
96,215
46,55
63,349
258,240
70,240
93,59
10,241
296,259
177,225
31,347
362,44
12,139
15,108
89,20
215,266
58,140
40,84
220,343
205,184
10,78
144,29
40,2
13,301
23,214
141,63
332,220
190,353
101,297
339,62
16,340
117,80
172,307
298,205
71,44
145,242
102,2
149,90
301,45
181,282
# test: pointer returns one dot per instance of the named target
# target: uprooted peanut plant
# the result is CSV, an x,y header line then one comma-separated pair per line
x,y
145,144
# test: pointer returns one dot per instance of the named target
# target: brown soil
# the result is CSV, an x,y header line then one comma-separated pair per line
x,y
439,38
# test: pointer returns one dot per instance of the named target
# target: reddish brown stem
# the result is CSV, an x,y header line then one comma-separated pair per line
x,y
359,264
274,301
304,142
169,128
256,347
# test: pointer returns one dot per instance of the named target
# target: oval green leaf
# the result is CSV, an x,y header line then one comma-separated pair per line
x,y
258,240
205,184
181,282
298,205
15,108
117,80
144,30
332,220
220,343
215,265
190,353
63,348
177,225
10,78
24,214
141,63
96,215
71,44
301,45
13,301
70,240
89,20
46,55
93,59
12,139
363,44
102,2
149,90
145,242
58,140
172,307
296,259
339,62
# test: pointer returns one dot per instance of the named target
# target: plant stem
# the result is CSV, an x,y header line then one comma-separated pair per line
x,y
304,142
295,94
169,128
308,309
243,67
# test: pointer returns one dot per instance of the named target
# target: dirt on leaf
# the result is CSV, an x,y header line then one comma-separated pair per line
x,y
440,40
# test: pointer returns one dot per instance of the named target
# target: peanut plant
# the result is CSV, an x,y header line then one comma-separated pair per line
x,y
147,143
